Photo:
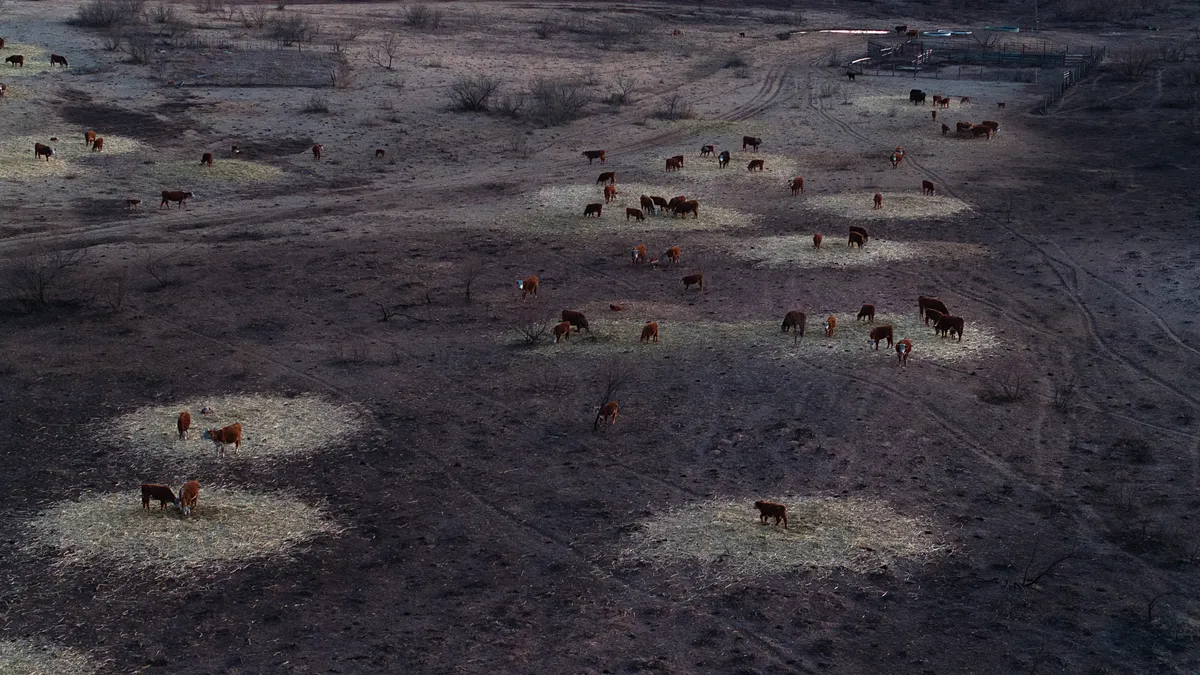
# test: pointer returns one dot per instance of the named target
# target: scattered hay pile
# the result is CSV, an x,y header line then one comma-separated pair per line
x,y
851,339
37,61
560,209
223,170
797,251
17,161
896,205
824,534
22,657
778,170
272,427
226,527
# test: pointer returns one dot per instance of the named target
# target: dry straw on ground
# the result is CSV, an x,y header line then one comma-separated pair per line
x,y
823,534
227,528
192,171
560,209
17,161
896,205
777,172
797,251
851,339
37,61
272,427
25,657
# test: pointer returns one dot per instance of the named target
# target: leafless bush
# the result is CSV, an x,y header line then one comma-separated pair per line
x,y
469,273
341,75
625,84
555,102
254,17
161,13
1008,386
828,90
548,26
104,13
674,107
317,104
1064,394
531,326
352,352
735,61
1134,61
340,42
292,28
512,104
473,93
113,36
384,54
613,378
1028,579
834,60
42,280
985,38
626,29
139,46
1136,450
113,291
518,144
1173,51
207,6
422,16
157,265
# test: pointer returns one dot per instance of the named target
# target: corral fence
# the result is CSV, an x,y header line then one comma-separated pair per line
x,y
1076,71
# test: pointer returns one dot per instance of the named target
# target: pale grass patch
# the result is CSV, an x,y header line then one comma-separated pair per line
x,y
824,534
711,132
228,527
796,250
272,427
18,163
560,209
896,205
26,657
851,339
37,61
222,170
777,169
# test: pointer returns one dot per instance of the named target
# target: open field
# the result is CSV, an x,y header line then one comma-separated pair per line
x,y
421,490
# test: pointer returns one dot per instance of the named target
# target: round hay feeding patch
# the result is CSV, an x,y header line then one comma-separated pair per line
x,y
697,169
227,527
823,534
896,205
17,161
796,250
272,427
35,658
851,339
37,61
222,170
560,209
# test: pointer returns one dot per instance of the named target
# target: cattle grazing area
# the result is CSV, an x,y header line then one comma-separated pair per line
x,y
487,337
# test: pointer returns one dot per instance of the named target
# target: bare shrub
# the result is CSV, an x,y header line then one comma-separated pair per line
x,y
139,46
1134,61
1136,450
422,16
42,280
105,13
1008,386
469,273
555,102
674,107
1064,395
735,61
473,93
384,54
317,104
113,291
512,104
548,26
518,145
625,84
340,42
341,75
161,13
532,326
292,28
254,17
613,378
157,265
113,36
207,6
833,60
829,90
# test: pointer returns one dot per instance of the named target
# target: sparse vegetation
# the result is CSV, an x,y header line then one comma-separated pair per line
x,y
316,105
422,16
1008,386
41,280
105,13
384,54
1064,394
532,326
554,102
674,107
292,28
473,93
1134,61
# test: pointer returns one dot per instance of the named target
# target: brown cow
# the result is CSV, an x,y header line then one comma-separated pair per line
x,y
755,165
635,213
89,137
937,99
706,150
16,60
867,312
673,164
696,280
978,130
55,59
160,492
878,200
316,150
797,185
897,157
962,126
610,193
945,102
577,320
817,240
994,126
964,100
911,32
562,330
659,202
650,332
880,333
794,321
594,155
380,153
42,150
1,43
207,158
183,423
945,129
617,308
528,286
861,230
771,510
174,196
752,142
647,204
692,207
226,435
98,144
903,349
932,315
855,238
3,89
926,187
189,496
676,201
949,324
609,177
672,254
593,210
924,303
678,160
639,254
607,413
830,324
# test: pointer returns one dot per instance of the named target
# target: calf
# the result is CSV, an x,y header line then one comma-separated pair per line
x,y
945,129
903,349
797,185
593,210
649,332
817,240
880,333
752,142
226,435
678,160
131,204
673,164
960,127
723,159
607,413
755,165
189,496
897,157
89,137
98,144
207,158
830,324
945,102
647,204
861,230
174,196
528,286
577,320
696,280
3,89
160,492
794,321
316,150
937,99
56,60
609,177
183,423
672,254
926,187
949,324
639,254
706,150
856,239
934,316
610,193
692,207
16,60
878,200
379,153
562,330
771,510
42,150
635,213
594,155
924,304
867,312
964,100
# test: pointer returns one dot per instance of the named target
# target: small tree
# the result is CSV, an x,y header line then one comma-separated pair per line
x,y
422,16
472,93
613,377
532,326
387,50
469,274
674,107
1134,61
625,84
44,279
